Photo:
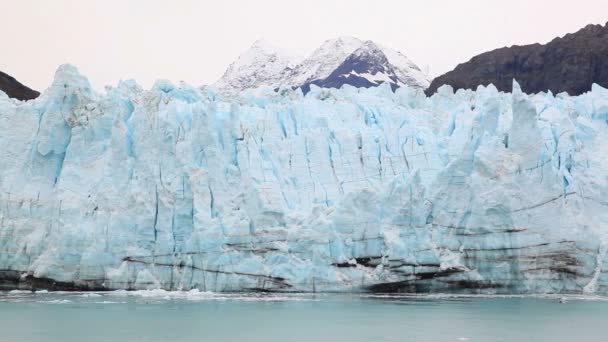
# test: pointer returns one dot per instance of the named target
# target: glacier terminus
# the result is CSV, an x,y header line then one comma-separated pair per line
x,y
348,189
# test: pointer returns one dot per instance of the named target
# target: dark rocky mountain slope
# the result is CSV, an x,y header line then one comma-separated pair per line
x,y
568,64
16,90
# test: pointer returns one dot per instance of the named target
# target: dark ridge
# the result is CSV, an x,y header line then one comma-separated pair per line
x,y
11,280
568,64
16,90
426,286
437,274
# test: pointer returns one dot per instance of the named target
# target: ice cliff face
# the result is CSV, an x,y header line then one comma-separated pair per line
x,y
338,190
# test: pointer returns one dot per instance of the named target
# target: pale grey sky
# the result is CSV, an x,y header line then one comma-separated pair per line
x,y
194,41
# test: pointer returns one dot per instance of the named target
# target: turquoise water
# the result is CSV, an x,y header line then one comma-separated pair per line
x,y
194,316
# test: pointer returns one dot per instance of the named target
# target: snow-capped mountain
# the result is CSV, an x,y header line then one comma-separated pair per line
x,y
261,65
344,60
324,60
369,66
406,71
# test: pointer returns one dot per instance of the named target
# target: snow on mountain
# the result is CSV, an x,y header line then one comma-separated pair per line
x,y
324,60
337,190
405,70
369,66
344,60
262,64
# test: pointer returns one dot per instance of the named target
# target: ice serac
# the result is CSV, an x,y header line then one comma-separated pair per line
x,y
339,190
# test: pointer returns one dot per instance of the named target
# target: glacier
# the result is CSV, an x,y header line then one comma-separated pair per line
x,y
340,190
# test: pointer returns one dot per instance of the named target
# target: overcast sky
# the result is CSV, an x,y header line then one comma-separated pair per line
x,y
194,41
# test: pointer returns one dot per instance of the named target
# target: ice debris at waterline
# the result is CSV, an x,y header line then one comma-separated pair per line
x,y
338,190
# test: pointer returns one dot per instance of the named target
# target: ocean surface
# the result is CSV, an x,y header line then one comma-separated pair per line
x,y
203,316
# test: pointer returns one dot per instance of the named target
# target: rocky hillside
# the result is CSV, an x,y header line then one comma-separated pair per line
x,y
571,63
16,90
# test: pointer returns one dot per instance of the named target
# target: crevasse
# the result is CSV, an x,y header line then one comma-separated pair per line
x,y
339,190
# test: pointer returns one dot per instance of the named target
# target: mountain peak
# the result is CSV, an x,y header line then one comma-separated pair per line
x,y
369,44
262,64
263,44
325,59
266,65
369,48
348,42
265,47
